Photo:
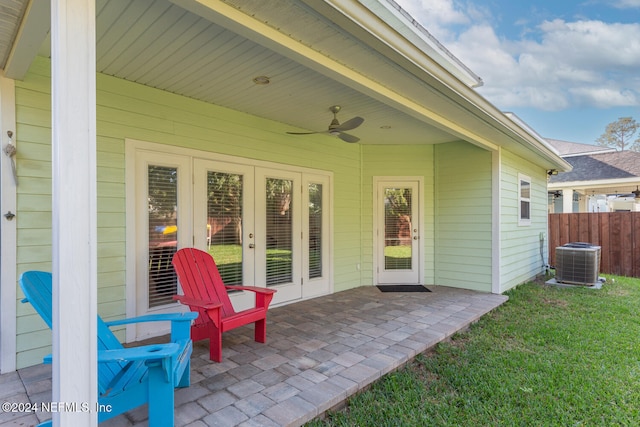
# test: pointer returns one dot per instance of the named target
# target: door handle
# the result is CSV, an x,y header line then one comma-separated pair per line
x,y
251,246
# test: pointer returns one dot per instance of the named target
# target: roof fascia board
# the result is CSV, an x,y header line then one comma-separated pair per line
x,y
234,20
394,29
541,144
589,153
33,30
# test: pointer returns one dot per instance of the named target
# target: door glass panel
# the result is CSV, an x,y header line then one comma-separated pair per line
x,y
397,224
315,230
162,206
224,224
279,231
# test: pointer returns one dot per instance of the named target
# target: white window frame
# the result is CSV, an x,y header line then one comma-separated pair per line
x,y
524,221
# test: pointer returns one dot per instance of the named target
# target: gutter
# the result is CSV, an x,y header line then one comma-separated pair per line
x,y
540,144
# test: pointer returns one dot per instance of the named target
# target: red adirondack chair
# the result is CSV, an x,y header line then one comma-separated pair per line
x,y
205,293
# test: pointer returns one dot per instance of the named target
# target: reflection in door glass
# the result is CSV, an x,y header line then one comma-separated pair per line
x,y
224,224
397,229
279,230
162,207
315,230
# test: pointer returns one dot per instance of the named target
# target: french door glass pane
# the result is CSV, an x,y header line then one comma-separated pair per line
x,y
315,230
279,230
397,224
162,204
224,224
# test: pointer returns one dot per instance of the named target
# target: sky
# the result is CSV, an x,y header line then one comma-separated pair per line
x,y
567,68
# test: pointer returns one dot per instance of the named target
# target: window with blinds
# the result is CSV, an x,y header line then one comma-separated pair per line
x,y
279,231
224,224
315,230
162,206
397,220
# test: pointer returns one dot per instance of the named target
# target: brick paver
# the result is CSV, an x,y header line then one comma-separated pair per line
x,y
318,352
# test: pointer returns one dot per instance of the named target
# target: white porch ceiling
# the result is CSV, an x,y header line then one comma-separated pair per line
x,y
159,43
163,46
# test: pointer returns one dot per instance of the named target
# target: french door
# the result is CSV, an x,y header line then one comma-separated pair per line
x,y
264,226
398,259
251,219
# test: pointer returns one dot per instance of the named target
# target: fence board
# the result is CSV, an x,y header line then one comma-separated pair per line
x,y
635,236
605,263
617,233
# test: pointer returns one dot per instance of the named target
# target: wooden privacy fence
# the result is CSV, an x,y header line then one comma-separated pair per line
x,y
617,233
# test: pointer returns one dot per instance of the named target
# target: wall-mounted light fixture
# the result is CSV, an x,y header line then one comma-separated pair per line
x,y
552,172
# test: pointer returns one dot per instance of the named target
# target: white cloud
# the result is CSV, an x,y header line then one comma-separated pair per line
x,y
626,4
562,64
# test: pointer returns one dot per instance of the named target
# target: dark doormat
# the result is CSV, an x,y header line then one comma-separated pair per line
x,y
403,288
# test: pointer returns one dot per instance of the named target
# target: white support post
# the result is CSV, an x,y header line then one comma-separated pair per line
x,y
496,224
567,200
7,227
73,92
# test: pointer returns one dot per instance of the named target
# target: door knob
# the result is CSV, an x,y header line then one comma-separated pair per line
x,y
251,246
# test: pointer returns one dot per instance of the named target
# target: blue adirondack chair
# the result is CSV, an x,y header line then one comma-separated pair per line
x,y
128,377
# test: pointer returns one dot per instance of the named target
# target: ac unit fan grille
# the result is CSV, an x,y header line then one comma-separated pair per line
x,y
579,266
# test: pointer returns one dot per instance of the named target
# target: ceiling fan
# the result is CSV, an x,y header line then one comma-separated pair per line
x,y
337,129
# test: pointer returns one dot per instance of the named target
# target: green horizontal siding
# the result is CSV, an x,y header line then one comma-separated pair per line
x,y
463,251
520,257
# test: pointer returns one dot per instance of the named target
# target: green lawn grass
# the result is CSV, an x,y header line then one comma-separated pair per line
x,y
548,357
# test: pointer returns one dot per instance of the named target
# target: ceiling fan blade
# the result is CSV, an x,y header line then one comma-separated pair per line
x,y
303,133
350,124
348,138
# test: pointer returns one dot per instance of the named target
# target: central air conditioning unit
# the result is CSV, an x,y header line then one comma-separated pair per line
x,y
578,264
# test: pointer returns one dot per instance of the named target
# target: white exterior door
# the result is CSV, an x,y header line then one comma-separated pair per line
x,y
398,227
224,224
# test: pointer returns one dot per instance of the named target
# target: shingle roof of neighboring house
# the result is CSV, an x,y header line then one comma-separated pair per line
x,y
607,165
566,148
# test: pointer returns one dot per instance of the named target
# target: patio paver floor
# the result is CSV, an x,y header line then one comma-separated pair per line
x,y
318,353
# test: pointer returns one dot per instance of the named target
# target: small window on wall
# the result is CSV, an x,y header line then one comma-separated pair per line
x,y
524,199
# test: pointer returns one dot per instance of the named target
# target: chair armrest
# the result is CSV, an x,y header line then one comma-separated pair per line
x,y
145,352
167,317
151,352
255,289
207,305
180,322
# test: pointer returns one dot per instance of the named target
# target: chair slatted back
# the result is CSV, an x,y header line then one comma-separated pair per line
x,y
37,288
200,280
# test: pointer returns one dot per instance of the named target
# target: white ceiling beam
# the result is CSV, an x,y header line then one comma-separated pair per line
x,y
32,32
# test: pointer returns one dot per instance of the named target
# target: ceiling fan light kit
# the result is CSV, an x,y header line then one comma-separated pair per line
x,y
337,129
